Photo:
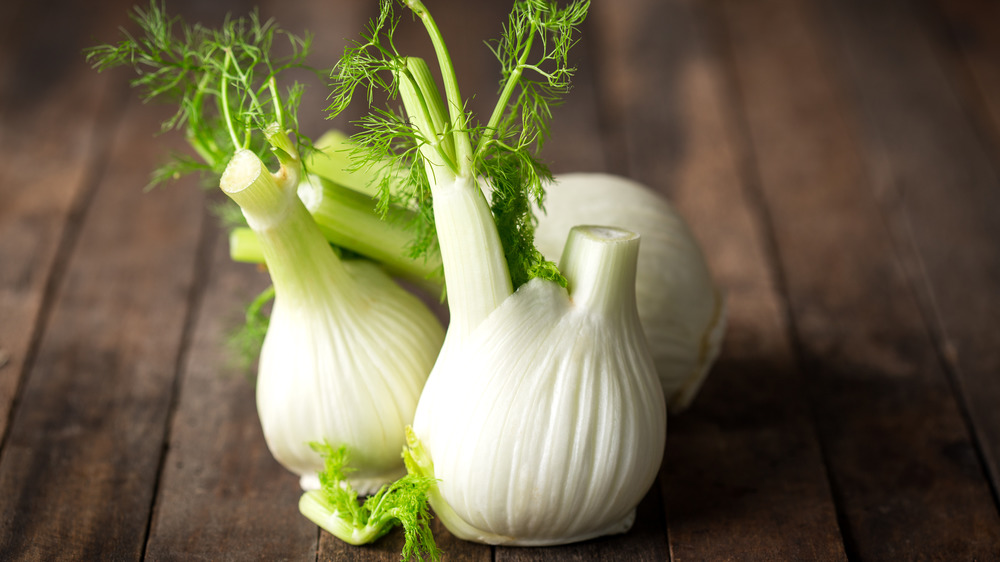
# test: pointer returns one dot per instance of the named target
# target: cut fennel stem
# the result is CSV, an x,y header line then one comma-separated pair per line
x,y
682,311
551,374
347,350
349,219
326,515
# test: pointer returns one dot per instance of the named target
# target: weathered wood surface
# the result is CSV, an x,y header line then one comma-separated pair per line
x,y
838,160
874,369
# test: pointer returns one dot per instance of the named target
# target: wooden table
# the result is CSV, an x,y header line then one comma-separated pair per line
x,y
838,160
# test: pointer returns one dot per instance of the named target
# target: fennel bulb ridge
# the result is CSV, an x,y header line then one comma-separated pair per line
x,y
547,424
682,311
347,350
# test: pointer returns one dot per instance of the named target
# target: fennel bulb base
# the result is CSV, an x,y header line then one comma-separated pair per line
x,y
466,532
547,424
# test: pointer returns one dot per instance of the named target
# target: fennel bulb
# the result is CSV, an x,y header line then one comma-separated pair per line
x,y
682,312
543,421
681,309
347,350
547,425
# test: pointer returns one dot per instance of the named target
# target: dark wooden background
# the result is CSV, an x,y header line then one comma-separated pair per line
x,y
838,160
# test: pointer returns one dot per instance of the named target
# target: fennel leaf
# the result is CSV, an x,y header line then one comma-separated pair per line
x,y
535,72
335,507
223,82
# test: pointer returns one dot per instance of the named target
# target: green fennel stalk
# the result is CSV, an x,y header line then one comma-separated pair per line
x,y
225,84
486,248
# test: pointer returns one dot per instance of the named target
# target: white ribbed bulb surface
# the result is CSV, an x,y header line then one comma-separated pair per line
x,y
349,372
547,424
680,307
347,350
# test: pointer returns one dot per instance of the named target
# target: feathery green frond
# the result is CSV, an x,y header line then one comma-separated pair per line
x,y
223,81
533,52
335,507
365,63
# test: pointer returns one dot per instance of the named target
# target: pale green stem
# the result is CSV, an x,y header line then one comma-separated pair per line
x,y
314,507
456,109
279,113
205,146
423,103
415,99
424,81
296,253
244,246
508,91
332,160
348,219
224,100
599,264
475,267
230,59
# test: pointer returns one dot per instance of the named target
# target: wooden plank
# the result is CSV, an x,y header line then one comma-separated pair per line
x,y
743,470
937,181
54,124
902,463
80,463
222,496
967,34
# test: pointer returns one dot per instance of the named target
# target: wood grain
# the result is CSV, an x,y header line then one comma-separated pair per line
x,y
78,469
837,159
221,495
935,176
964,33
743,470
898,451
54,121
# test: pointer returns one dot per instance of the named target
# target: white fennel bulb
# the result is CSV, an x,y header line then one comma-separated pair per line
x,y
542,421
546,425
682,311
347,350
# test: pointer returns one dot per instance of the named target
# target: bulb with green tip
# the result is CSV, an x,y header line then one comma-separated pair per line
x,y
335,507
347,350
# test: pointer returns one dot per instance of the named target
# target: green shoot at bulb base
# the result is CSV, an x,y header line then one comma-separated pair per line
x,y
336,509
